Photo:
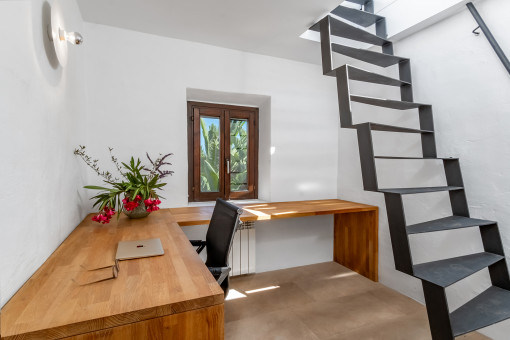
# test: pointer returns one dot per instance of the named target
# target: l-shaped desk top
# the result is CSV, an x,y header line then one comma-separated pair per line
x,y
173,294
355,239
57,302
272,210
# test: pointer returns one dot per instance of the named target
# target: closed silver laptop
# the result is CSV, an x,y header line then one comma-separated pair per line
x,y
139,248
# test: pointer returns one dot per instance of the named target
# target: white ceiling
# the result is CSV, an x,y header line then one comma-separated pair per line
x,y
268,27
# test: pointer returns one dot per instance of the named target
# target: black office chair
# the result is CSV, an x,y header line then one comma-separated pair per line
x,y
224,222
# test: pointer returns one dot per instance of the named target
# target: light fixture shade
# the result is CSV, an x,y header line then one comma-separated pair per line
x,y
57,33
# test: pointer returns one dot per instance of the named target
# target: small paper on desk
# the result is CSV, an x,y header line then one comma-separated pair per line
x,y
88,276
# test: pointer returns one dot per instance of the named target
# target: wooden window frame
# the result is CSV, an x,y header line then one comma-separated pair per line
x,y
225,113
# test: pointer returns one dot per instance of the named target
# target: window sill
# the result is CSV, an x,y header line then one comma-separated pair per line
x,y
212,203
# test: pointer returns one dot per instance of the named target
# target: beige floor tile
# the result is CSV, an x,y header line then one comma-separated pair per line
x,y
253,281
306,273
396,301
277,325
326,318
336,285
413,326
310,272
473,336
285,296
323,301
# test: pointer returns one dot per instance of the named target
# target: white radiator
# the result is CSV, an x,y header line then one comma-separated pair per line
x,y
242,255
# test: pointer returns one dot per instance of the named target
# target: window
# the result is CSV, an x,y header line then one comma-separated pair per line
x,y
222,151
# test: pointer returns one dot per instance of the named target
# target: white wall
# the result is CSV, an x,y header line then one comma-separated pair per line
x,y
138,85
134,99
285,243
405,17
462,77
42,107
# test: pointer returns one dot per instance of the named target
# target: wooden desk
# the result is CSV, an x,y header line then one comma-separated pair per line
x,y
173,296
355,226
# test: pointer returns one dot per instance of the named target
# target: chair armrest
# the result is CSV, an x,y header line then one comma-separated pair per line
x,y
198,243
220,272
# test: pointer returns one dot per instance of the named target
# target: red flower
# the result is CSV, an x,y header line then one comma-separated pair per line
x,y
104,216
109,212
131,205
151,204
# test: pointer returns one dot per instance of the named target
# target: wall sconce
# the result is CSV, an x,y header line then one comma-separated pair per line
x,y
59,36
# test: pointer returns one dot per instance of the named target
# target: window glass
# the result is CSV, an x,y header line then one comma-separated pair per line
x,y
238,155
209,154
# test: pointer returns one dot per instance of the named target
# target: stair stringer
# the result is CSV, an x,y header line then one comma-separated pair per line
x,y
444,324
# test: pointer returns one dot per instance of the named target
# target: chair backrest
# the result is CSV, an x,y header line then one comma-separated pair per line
x,y
223,225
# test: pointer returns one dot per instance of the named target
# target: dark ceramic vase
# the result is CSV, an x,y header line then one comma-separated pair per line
x,y
138,212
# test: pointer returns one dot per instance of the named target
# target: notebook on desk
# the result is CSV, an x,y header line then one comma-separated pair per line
x,y
139,248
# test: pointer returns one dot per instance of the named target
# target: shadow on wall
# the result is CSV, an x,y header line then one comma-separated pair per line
x,y
43,47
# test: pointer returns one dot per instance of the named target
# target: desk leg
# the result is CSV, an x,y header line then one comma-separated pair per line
x,y
356,242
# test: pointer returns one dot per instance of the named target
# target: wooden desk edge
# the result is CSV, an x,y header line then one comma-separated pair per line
x,y
202,221
112,321
202,323
364,218
127,318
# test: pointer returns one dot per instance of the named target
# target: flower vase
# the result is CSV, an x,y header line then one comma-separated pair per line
x,y
139,212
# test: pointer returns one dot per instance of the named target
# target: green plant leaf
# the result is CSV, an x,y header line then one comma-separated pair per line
x,y
93,187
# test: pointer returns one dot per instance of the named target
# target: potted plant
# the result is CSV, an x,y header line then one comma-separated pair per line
x,y
135,192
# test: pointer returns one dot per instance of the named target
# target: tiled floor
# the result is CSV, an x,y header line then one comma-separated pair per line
x,y
321,301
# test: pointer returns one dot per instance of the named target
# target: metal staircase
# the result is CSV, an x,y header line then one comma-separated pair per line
x,y
491,306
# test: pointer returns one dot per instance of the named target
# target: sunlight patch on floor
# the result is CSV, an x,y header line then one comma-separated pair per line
x,y
234,294
337,276
261,289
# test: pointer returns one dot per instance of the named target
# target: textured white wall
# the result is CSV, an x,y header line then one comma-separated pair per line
x,y
405,17
138,85
462,77
42,107
137,88
285,243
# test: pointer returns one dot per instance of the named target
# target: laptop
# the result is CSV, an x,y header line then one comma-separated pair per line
x,y
139,248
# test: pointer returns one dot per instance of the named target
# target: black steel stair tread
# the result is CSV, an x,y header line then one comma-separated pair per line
x,y
391,104
488,308
361,18
444,273
397,157
446,223
344,30
376,58
392,128
407,191
371,77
